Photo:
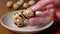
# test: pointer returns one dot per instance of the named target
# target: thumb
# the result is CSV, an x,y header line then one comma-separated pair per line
x,y
41,4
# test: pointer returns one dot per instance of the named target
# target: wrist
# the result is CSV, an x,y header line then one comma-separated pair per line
x,y
56,3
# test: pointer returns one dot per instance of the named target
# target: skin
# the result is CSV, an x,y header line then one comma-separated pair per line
x,y
51,11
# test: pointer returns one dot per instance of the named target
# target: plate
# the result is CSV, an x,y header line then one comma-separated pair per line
x,y
7,22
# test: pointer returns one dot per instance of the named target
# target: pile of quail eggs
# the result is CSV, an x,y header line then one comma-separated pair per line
x,y
19,3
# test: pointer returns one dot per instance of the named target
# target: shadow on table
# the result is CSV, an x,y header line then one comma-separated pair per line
x,y
50,30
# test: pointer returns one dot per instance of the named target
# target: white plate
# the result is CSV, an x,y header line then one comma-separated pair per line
x,y
7,21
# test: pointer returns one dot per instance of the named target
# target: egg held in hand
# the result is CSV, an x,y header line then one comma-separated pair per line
x,y
28,13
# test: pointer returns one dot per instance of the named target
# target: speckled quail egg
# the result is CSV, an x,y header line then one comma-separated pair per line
x,y
16,6
25,5
18,20
20,3
28,13
31,2
9,3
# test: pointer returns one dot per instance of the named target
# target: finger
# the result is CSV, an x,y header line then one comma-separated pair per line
x,y
41,4
45,18
48,7
52,12
46,12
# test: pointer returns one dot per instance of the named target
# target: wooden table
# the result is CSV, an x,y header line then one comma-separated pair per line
x,y
54,29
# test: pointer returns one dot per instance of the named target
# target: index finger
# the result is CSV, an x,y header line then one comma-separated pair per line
x,y
41,4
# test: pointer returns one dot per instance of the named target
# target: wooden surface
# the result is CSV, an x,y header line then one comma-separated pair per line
x,y
54,29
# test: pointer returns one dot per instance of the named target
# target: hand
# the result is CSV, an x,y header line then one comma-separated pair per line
x,y
47,15
43,4
44,17
57,10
